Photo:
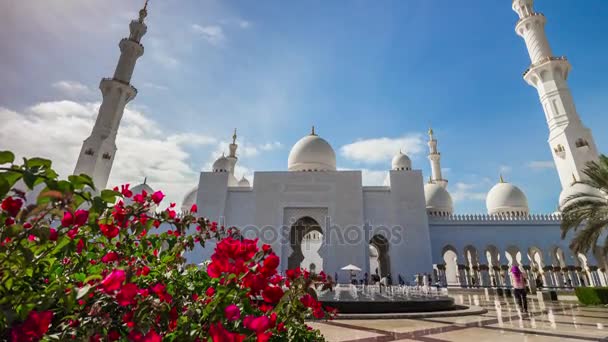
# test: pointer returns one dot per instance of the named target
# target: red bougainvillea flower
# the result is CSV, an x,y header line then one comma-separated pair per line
x,y
34,327
308,301
124,190
53,234
72,232
126,295
258,324
232,312
152,336
113,281
77,219
194,208
219,334
232,256
272,294
109,230
110,257
79,246
144,271
157,197
271,262
210,292
12,205
140,198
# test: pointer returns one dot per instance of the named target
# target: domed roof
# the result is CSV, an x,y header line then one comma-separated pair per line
x,y
438,200
578,188
189,200
312,153
401,162
506,198
244,182
141,187
222,164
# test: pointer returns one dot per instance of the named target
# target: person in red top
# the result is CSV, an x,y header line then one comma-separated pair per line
x,y
518,279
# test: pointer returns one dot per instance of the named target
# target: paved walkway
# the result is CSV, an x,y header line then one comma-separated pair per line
x,y
547,322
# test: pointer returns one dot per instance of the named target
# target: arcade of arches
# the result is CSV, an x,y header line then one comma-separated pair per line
x,y
490,267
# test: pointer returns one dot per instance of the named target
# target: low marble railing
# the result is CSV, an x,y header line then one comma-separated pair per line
x,y
553,217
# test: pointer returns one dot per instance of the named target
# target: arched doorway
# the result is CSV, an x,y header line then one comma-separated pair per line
x,y
379,261
307,230
450,257
310,249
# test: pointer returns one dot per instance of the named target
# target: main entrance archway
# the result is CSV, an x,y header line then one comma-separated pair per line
x,y
305,229
379,260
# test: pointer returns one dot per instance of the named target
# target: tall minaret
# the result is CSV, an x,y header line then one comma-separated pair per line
x,y
572,144
435,158
98,150
232,158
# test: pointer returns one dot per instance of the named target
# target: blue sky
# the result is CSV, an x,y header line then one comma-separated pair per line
x,y
375,72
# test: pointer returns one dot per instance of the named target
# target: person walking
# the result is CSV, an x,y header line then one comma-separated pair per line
x,y
518,279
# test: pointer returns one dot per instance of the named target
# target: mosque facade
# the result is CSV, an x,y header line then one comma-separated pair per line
x,y
318,217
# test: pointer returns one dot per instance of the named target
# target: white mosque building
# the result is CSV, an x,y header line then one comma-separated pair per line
x,y
322,218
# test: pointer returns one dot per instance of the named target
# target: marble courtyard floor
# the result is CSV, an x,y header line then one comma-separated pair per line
x,y
547,322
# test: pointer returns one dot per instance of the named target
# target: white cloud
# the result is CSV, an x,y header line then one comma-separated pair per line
x,y
154,86
55,130
467,192
72,89
244,24
374,177
382,149
213,34
504,169
271,146
540,164
159,52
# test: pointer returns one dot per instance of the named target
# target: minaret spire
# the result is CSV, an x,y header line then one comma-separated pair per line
x,y
435,159
571,143
98,150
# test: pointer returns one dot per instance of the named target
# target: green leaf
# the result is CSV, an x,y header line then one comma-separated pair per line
x,y
6,157
29,179
38,162
109,196
4,187
8,283
92,277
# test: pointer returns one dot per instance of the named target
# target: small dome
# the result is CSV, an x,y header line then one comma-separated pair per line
x,y
312,153
222,164
438,200
506,198
578,188
141,187
401,162
244,182
189,200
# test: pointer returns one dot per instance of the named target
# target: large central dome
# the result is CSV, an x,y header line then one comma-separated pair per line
x,y
312,153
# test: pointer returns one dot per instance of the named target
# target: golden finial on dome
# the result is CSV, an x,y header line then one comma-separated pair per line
x,y
430,132
501,179
313,130
234,137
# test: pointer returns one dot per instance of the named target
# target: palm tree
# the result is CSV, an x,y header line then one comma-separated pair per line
x,y
586,213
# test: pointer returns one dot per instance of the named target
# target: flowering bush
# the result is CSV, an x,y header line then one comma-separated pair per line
x,y
80,266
